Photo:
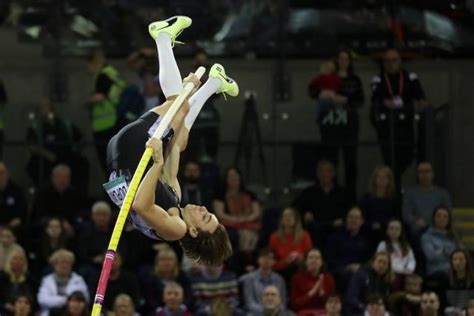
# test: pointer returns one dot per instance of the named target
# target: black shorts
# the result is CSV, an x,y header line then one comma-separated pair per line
x,y
126,148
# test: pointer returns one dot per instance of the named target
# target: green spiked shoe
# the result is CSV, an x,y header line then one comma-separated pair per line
x,y
173,26
229,86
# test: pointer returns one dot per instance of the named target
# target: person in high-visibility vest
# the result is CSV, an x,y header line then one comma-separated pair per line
x,y
103,102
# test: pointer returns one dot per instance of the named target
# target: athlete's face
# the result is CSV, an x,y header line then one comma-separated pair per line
x,y
199,217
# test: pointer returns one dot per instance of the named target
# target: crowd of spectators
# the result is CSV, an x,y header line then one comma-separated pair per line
x,y
330,251
360,261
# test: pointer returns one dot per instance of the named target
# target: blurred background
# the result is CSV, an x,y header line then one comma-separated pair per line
x,y
278,133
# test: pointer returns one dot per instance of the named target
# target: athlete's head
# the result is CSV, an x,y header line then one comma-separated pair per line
x,y
206,241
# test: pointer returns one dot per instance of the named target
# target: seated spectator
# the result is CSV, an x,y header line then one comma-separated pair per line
x,y
470,308
396,244
289,243
254,282
7,245
420,201
58,199
271,303
137,258
311,288
15,280
23,305
57,286
380,203
173,301
459,287
12,200
94,241
192,189
438,242
54,238
323,205
374,279
121,281
407,301
214,283
124,306
375,307
221,306
348,249
333,306
52,141
239,211
429,304
76,305
166,270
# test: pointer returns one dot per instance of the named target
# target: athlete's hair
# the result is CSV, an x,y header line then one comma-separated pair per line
x,y
208,248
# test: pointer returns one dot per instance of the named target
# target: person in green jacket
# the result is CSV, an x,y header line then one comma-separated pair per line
x,y
103,102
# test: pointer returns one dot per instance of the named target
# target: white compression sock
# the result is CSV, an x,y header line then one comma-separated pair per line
x,y
170,77
198,99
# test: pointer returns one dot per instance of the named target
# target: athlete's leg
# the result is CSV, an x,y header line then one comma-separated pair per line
x,y
164,33
218,82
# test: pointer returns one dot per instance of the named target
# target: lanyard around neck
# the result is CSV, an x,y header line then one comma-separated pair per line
x,y
389,85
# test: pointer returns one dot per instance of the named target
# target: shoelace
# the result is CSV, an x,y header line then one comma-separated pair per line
x,y
174,41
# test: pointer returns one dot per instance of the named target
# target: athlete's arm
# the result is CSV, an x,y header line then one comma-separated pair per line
x,y
171,168
179,141
166,226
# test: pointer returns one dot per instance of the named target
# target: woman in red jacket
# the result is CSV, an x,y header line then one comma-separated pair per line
x,y
311,287
289,243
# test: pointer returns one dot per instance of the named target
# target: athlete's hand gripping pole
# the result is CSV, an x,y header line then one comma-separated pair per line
x,y
122,216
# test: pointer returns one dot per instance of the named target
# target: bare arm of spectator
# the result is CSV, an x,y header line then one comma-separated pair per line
x,y
219,210
256,212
